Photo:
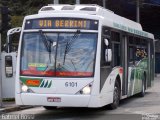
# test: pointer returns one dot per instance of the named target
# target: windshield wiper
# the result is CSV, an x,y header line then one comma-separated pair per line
x,y
47,42
69,43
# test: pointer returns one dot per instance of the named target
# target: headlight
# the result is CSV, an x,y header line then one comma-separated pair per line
x,y
24,88
86,90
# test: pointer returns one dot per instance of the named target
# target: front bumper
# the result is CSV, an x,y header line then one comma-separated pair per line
x,y
42,100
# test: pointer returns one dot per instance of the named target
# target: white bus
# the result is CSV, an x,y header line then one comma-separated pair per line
x,y
82,56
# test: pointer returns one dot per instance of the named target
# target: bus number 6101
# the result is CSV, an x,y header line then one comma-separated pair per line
x,y
70,84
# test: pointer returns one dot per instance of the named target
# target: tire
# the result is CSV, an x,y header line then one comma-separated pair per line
x,y
142,93
50,107
116,97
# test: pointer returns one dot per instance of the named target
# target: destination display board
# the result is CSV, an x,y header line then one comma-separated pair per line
x,y
61,23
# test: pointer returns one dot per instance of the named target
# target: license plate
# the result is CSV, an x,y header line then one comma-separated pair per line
x,y
54,99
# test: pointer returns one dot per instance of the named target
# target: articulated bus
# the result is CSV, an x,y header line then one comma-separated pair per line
x,y
82,56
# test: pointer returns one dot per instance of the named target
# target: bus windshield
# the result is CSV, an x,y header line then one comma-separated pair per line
x,y
58,54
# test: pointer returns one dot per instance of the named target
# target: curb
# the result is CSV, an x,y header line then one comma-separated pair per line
x,y
12,109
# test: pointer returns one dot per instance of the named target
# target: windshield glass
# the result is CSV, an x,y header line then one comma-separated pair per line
x,y
58,54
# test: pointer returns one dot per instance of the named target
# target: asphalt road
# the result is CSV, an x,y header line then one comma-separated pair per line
x,y
134,108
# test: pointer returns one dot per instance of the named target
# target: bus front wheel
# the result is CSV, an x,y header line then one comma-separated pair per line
x,y
116,96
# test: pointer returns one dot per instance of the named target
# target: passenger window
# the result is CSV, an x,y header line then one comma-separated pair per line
x,y
115,38
131,52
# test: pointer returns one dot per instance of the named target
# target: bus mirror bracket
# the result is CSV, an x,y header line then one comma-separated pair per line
x,y
9,39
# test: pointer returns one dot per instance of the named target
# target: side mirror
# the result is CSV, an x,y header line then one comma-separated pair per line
x,y
8,66
106,42
108,55
54,44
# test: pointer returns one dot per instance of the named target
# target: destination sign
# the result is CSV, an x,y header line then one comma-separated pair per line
x,y
61,23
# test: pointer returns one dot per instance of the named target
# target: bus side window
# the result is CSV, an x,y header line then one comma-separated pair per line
x,y
131,53
116,48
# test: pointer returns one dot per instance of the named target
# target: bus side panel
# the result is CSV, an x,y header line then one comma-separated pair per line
x,y
134,80
100,100
106,94
17,82
18,99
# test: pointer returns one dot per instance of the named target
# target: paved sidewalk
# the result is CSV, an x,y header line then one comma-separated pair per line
x,y
10,106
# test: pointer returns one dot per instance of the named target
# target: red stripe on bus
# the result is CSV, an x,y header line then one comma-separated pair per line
x,y
35,72
52,73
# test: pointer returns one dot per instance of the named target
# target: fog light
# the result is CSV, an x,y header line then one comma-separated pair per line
x,y
24,88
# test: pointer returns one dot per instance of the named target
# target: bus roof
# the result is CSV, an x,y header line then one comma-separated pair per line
x,y
109,18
